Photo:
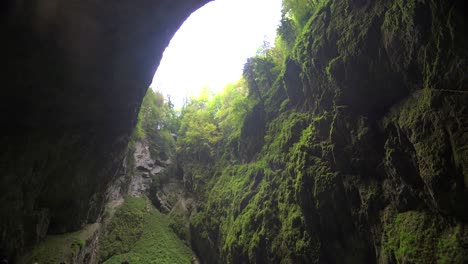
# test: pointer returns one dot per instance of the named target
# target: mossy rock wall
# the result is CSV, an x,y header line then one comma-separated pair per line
x,y
364,153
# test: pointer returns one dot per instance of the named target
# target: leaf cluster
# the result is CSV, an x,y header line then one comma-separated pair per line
x,y
157,122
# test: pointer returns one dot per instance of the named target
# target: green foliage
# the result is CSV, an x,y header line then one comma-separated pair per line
x,y
299,11
260,72
198,133
162,145
150,115
157,120
286,34
139,233
210,128
233,107
171,117
296,14
179,225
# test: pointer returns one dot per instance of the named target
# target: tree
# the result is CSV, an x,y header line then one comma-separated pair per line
x,y
260,73
198,132
157,119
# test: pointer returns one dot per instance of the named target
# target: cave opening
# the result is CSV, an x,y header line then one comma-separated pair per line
x,y
345,141
210,48
198,99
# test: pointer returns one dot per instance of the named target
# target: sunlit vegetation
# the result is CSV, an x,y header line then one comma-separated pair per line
x,y
157,120
237,164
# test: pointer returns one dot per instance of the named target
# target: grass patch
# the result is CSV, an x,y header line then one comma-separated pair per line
x,y
141,234
125,228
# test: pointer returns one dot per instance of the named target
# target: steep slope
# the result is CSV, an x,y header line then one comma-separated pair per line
x,y
358,151
139,233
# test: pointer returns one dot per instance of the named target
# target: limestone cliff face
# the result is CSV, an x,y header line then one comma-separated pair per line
x,y
366,160
144,176
159,180
145,167
73,76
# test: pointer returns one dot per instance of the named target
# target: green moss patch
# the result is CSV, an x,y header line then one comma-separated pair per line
x,y
139,233
60,248
419,237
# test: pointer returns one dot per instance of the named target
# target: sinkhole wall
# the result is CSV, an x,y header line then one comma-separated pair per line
x,y
362,156
358,152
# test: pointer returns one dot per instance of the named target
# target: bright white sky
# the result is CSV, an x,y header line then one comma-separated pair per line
x,y
212,45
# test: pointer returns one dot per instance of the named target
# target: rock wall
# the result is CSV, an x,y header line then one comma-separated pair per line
x,y
73,76
159,180
364,158
144,170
